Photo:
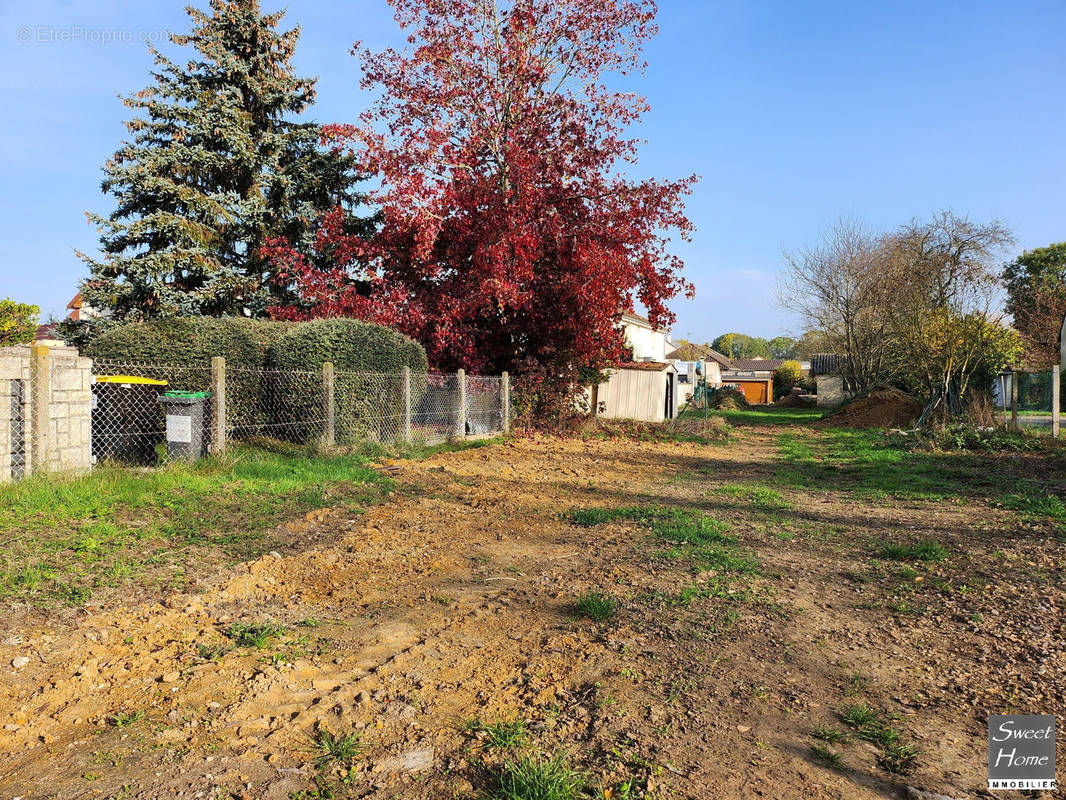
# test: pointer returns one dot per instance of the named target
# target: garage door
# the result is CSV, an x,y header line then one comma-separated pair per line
x,y
754,391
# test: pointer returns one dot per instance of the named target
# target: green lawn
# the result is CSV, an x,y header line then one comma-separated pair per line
x,y
869,464
758,415
63,539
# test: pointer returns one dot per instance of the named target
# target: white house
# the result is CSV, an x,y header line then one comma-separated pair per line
x,y
648,344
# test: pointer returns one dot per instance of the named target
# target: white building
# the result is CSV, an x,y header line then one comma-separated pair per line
x,y
648,344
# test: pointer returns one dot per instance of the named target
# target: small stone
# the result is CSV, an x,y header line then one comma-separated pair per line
x,y
18,662
170,677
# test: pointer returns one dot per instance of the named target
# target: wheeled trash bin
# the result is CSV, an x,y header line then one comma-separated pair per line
x,y
187,420
125,419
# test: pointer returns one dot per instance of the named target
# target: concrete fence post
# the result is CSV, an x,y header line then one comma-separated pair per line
x,y
329,407
405,431
1014,399
218,405
40,450
505,401
460,417
1055,400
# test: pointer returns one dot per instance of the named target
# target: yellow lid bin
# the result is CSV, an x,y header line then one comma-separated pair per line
x,y
129,379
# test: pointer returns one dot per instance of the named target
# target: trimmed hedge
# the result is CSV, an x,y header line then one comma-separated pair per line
x,y
368,406
352,345
176,342
249,346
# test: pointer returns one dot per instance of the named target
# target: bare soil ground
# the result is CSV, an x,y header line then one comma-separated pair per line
x,y
455,601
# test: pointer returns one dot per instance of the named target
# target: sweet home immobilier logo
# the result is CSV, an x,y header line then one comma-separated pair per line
x,y
1021,751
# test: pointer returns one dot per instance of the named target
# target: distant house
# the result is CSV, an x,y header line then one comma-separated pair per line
x,y
754,377
828,369
46,334
692,360
647,342
78,309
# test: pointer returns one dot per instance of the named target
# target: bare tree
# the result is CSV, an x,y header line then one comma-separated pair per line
x,y
839,287
947,326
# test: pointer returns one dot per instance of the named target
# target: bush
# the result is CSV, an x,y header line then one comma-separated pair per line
x,y
255,398
18,322
175,342
789,374
189,340
367,388
352,345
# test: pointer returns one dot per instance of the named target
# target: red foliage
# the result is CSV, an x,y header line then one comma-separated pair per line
x,y
508,240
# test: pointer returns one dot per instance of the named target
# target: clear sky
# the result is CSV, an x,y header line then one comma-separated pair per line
x,y
793,113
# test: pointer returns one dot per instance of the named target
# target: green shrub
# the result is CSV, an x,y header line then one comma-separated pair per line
x,y
18,322
189,340
367,360
181,349
263,392
352,345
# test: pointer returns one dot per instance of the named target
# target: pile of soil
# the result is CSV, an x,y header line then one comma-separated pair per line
x,y
880,408
794,399
729,400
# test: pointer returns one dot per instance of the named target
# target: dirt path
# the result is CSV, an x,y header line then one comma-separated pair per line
x,y
455,601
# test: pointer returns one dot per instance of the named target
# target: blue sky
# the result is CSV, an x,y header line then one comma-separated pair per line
x,y
794,113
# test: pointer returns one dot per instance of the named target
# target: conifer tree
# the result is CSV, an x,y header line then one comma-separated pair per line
x,y
215,165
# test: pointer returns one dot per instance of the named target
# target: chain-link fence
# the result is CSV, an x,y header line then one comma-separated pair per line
x,y
1030,394
129,423
62,411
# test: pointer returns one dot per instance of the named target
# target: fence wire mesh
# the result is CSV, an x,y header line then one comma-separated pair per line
x,y
484,405
129,424
129,410
15,398
289,405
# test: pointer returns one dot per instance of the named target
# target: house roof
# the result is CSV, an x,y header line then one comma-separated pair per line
x,y
46,332
757,364
688,352
827,364
647,366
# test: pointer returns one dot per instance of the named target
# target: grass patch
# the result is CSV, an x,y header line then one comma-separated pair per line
x,y
899,758
927,550
760,497
765,415
124,720
831,735
1036,504
827,756
257,634
538,778
694,536
62,539
596,606
896,756
340,749
502,734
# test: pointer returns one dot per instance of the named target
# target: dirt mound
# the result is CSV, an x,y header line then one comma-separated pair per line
x,y
794,399
729,400
881,408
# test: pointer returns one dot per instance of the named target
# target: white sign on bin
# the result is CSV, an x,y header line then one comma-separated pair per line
x,y
179,428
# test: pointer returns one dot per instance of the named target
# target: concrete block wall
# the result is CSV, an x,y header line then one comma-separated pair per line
x,y
830,391
70,411
45,411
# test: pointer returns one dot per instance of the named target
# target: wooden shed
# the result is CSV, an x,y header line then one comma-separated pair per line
x,y
757,391
644,390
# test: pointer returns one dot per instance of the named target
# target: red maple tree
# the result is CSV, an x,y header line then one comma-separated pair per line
x,y
508,240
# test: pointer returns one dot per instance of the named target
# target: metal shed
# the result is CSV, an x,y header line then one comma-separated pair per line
x,y
644,390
